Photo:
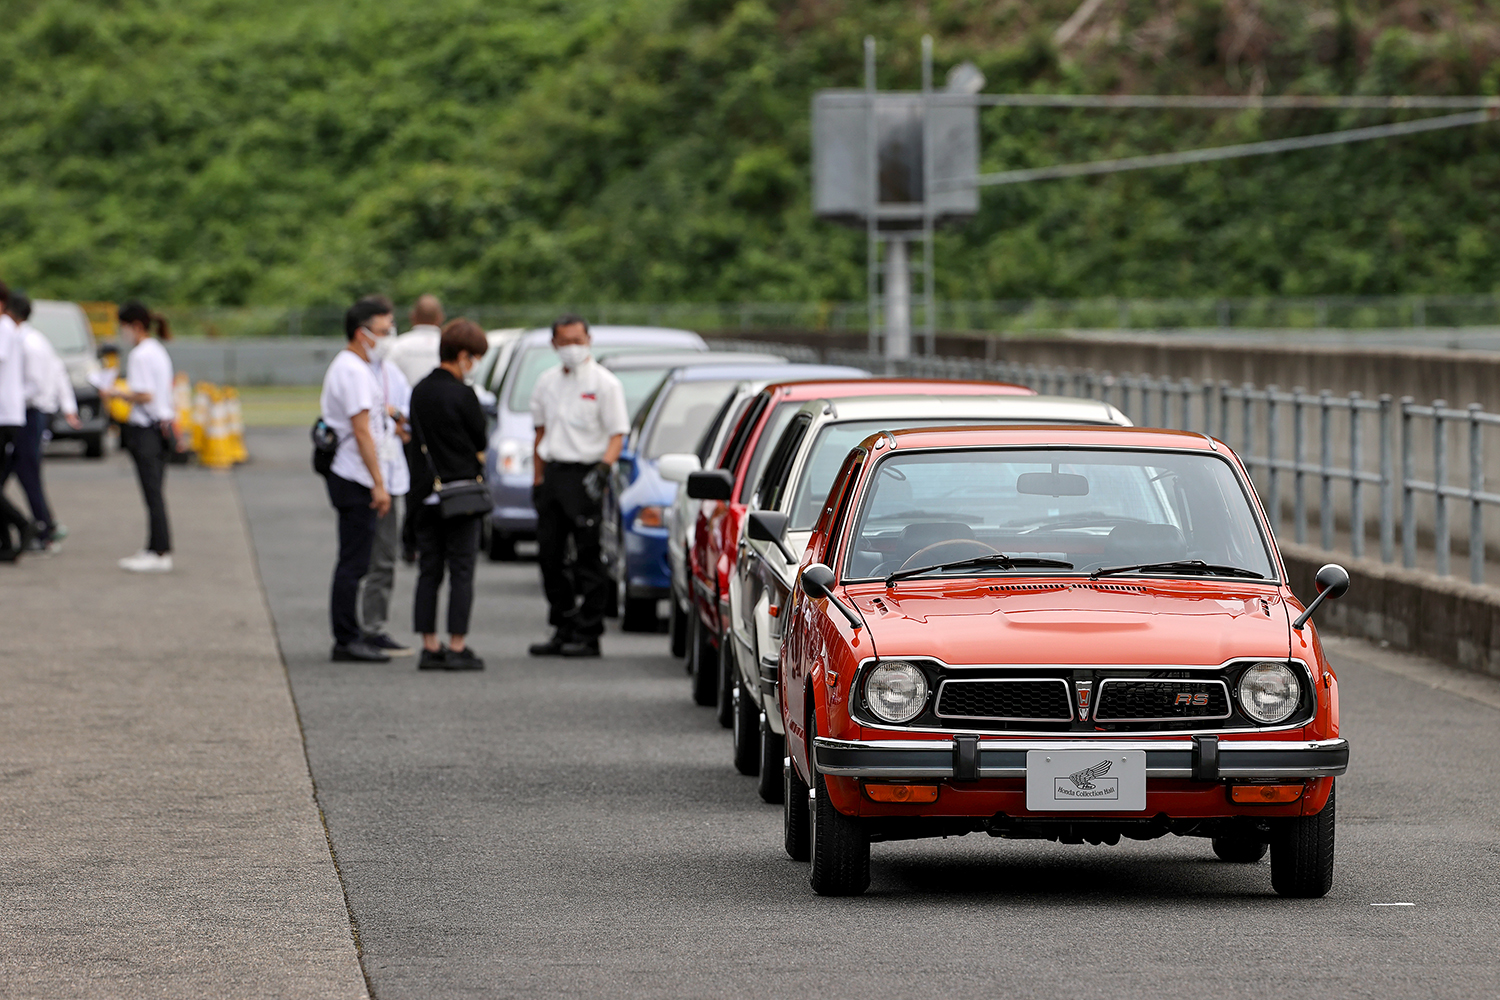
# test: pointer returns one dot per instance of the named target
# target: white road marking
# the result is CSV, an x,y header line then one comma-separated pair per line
x,y
1393,904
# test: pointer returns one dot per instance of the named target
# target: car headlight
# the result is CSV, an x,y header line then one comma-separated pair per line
x,y
1269,692
896,691
649,517
514,457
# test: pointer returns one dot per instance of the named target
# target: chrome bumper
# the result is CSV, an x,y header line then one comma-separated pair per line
x,y
968,758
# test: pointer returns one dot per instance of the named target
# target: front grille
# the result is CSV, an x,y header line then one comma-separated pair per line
x,y
1160,700
1033,699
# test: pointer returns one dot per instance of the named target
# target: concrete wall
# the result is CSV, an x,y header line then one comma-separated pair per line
x,y
255,361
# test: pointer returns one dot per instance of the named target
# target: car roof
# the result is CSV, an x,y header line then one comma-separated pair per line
x,y
780,373
802,391
1069,409
504,335
1049,435
684,359
604,336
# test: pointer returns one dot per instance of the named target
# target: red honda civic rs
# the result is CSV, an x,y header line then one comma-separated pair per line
x,y
1065,633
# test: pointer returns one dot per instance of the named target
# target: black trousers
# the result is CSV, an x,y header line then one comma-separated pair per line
x,y
357,523
10,514
444,541
150,448
577,594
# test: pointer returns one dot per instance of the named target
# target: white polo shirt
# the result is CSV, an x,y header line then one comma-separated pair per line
x,y
149,369
415,352
49,388
12,374
580,411
394,391
349,389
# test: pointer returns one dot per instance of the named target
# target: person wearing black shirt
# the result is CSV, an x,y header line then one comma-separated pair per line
x,y
450,428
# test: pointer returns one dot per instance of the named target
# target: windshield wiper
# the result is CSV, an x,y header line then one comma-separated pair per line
x,y
1180,566
999,559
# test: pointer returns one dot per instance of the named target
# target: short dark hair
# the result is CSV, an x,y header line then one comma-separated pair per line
x,y
462,335
135,311
365,310
569,319
19,306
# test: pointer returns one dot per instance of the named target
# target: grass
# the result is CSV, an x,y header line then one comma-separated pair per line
x,y
279,405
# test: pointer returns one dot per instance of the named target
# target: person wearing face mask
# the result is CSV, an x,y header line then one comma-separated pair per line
x,y
150,433
375,589
450,431
353,406
581,421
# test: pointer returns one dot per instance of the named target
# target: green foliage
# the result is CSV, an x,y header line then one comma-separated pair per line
x,y
229,152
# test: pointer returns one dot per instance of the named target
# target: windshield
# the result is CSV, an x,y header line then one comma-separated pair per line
x,y
1089,508
769,435
64,325
541,357
683,415
639,385
826,456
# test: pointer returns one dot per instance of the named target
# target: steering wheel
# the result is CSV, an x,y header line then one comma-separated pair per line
x,y
948,551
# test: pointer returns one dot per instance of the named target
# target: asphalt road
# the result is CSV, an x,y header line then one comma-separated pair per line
x,y
551,828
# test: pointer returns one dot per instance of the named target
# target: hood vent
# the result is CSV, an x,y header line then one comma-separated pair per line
x,y
1018,588
880,606
1118,588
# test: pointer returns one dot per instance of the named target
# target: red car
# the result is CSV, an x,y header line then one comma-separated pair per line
x,y
714,542
1065,633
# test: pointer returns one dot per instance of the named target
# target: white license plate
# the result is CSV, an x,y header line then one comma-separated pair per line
x,y
1085,780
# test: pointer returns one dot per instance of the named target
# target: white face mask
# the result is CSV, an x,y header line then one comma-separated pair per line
x,y
573,355
382,346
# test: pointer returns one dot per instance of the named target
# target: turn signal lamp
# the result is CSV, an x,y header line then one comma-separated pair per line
x,y
902,793
1261,795
649,517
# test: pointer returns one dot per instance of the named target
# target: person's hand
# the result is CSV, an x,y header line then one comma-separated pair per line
x,y
73,421
596,480
380,500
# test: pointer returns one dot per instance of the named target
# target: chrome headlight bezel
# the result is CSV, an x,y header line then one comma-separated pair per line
x,y
1269,677
896,691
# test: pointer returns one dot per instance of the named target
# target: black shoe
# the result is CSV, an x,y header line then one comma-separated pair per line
x,y
434,659
464,659
358,652
552,647
580,647
382,641
10,555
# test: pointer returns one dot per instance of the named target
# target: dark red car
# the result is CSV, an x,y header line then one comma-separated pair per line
x,y
1063,633
715,540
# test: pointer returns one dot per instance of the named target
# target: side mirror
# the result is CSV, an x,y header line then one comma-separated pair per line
x,y
710,484
1332,582
676,468
770,526
817,581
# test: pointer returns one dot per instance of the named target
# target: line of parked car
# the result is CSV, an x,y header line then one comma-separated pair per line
x,y
930,608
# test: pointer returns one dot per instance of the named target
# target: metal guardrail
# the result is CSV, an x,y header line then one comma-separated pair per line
x,y
1310,460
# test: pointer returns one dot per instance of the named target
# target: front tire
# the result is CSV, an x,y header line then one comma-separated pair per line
x,y
728,673
746,731
794,812
679,630
839,844
640,615
772,750
1302,854
704,665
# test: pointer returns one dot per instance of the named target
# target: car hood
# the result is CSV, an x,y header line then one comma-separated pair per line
x,y
1077,621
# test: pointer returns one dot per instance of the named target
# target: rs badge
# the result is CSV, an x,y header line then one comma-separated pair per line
x,y
1085,691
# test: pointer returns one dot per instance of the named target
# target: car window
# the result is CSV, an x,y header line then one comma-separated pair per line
x,y
778,466
743,430
681,417
541,357
775,424
728,414
64,325
847,476
640,385
1088,508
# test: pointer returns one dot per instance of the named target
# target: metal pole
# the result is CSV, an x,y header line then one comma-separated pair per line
x,y
1246,426
929,327
1356,490
1325,461
1387,492
1408,498
1224,411
897,299
1299,460
872,199
1440,541
1273,474
1476,507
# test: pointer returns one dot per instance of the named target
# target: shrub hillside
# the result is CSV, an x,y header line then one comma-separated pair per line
x,y
275,152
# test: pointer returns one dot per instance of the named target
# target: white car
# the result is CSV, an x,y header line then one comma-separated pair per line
x,y
785,505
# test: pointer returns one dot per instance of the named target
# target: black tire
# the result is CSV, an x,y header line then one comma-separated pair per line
x,y
839,845
502,546
679,630
705,665
1302,854
728,672
93,446
639,615
772,750
1240,845
745,710
795,814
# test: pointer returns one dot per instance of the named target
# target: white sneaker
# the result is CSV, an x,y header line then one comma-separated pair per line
x,y
147,562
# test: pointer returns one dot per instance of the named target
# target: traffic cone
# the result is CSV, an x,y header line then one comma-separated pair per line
x,y
202,411
238,453
182,399
215,453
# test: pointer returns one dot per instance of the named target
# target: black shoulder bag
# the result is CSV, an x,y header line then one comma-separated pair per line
x,y
325,443
461,497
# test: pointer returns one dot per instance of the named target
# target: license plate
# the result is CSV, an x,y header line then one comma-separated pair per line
x,y
1085,780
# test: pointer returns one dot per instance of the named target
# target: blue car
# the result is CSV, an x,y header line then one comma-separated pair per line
x,y
672,420
508,460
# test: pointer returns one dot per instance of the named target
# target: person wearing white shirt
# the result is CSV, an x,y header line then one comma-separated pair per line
x,y
415,352
149,433
380,578
49,390
581,421
12,425
353,406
